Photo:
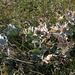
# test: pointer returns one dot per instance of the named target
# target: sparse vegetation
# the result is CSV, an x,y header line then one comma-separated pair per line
x,y
37,37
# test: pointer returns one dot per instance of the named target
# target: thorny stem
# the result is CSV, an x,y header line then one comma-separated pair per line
x,y
34,45
40,43
37,72
22,41
19,60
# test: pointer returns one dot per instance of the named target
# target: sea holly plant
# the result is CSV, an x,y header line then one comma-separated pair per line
x,y
4,50
41,36
11,30
31,43
44,44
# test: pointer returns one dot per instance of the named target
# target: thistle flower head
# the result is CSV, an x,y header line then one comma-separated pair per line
x,y
37,31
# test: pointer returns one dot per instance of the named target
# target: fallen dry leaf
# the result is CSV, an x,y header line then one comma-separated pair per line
x,y
73,14
49,57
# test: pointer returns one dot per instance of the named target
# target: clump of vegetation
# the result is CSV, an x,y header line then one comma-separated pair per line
x,y
37,37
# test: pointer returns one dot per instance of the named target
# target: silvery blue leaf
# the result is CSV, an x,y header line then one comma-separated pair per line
x,y
58,31
34,57
62,34
68,32
40,56
64,56
11,26
2,41
44,48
